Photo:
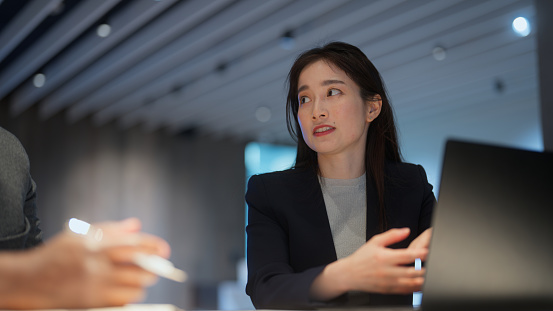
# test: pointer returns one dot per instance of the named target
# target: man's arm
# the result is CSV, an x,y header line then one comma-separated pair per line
x,y
69,272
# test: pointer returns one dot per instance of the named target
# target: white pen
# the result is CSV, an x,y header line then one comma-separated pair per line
x,y
152,263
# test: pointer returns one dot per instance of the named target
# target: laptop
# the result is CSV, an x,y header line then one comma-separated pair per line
x,y
492,243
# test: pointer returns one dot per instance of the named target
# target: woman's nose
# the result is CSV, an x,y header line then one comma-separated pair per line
x,y
319,110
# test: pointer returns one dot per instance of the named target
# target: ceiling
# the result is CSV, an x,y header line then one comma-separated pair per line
x,y
218,68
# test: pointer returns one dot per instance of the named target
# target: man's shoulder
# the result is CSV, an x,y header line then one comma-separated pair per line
x,y
11,147
7,138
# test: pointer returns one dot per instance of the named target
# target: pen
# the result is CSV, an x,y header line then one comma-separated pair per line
x,y
152,263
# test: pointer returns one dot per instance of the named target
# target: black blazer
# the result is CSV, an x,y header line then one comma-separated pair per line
x,y
289,241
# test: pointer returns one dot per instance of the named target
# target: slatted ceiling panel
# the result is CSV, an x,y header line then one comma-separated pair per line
x,y
270,71
210,84
179,19
496,115
258,61
158,69
242,118
255,36
228,94
277,86
476,96
276,83
343,17
444,105
271,95
479,103
435,27
492,63
76,58
509,108
461,43
205,86
465,99
197,41
468,97
393,21
439,87
255,94
19,28
473,99
495,66
58,38
435,85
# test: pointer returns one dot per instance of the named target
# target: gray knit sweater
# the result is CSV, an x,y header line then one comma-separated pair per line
x,y
346,207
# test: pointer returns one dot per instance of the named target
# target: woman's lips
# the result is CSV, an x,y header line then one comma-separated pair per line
x,y
322,130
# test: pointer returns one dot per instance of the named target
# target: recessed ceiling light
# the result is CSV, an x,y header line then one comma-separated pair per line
x,y
439,53
499,86
39,80
222,67
103,30
521,26
287,41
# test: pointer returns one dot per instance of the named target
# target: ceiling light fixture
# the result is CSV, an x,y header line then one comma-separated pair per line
x,y
287,41
103,30
499,86
521,26
222,67
439,53
39,80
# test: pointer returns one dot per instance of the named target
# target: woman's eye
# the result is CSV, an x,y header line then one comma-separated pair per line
x,y
304,99
333,92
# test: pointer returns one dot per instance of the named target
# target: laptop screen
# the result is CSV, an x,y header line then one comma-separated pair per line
x,y
492,245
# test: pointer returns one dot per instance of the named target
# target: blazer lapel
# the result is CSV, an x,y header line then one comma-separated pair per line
x,y
315,206
372,209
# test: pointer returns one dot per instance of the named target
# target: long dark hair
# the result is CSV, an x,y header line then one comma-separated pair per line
x,y
382,143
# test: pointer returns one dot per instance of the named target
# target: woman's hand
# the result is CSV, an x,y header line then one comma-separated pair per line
x,y
374,268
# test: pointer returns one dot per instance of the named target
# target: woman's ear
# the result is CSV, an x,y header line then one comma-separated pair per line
x,y
374,105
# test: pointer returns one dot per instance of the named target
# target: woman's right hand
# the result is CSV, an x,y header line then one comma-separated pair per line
x,y
373,268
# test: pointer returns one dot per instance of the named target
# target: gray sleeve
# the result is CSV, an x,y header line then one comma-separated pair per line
x,y
18,219
34,237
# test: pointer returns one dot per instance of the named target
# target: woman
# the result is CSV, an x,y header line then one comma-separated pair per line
x,y
308,226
